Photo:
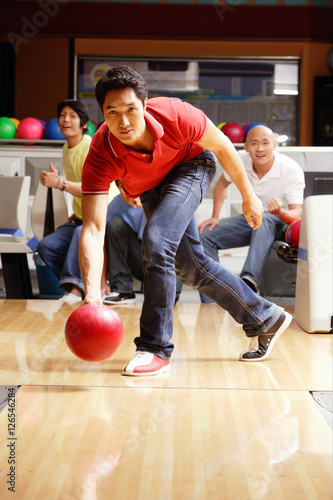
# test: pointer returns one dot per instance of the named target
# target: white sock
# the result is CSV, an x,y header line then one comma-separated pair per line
x,y
71,298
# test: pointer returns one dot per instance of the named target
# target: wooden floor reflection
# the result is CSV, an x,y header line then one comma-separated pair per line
x,y
214,428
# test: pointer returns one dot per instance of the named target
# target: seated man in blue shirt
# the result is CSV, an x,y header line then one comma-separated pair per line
x,y
123,238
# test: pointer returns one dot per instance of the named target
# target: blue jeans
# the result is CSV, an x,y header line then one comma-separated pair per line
x,y
59,250
171,243
234,232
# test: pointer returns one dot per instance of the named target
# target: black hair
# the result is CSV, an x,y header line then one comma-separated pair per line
x,y
79,108
120,77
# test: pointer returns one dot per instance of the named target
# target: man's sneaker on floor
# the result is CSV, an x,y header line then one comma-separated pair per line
x,y
267,340
146,363
119,298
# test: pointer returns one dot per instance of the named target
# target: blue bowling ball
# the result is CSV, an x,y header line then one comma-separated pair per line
x,y
52,130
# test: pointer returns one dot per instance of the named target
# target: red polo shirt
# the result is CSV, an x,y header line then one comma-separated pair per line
x,y
176,127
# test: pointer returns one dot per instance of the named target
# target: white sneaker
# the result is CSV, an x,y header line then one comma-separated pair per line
x,y
146,363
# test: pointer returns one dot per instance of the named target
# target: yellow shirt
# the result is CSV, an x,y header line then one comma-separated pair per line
x,y
73,160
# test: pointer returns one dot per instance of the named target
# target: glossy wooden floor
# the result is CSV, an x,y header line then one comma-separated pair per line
x,y
214,428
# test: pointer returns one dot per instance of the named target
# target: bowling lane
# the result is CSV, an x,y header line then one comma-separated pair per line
x,y
77,443
207,341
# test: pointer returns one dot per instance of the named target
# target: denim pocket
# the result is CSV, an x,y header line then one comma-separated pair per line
x,y
210,171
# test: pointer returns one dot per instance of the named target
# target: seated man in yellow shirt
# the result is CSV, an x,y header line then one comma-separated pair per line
x,y
59,250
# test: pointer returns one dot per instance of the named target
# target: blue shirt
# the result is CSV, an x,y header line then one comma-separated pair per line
x,y
134,217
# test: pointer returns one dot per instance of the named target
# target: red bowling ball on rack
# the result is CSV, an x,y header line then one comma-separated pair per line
x,y
292,233
30,128
234,132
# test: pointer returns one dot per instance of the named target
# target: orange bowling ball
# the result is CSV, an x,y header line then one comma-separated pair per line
x,y
94,332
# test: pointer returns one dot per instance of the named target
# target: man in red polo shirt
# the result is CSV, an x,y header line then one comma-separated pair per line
x,y
164,151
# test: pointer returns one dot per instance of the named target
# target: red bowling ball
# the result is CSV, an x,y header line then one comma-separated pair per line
x,y
94,332
30,128
292,233
233,131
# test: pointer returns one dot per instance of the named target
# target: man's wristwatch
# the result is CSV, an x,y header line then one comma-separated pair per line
x,y
63,187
